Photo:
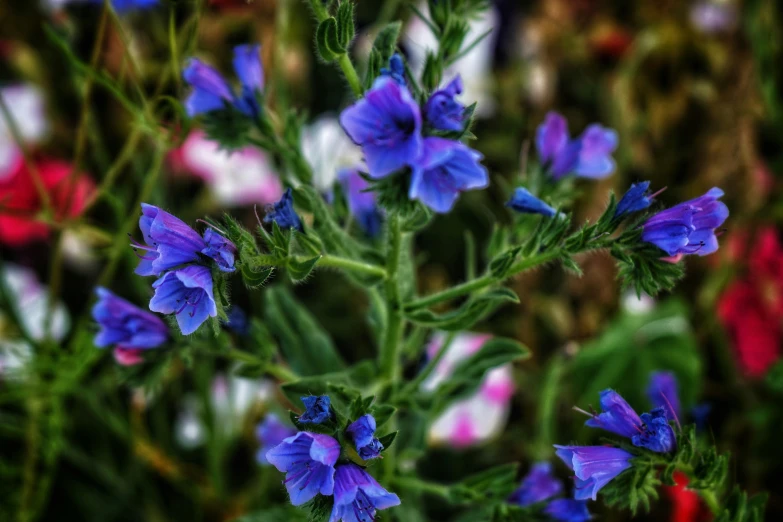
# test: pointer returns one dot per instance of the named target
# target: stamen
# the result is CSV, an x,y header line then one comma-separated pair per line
x,y
653,196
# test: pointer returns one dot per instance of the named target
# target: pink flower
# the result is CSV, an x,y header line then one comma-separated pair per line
x,y
128,356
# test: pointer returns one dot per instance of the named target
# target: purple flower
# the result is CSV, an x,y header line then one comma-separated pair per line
x,y
362,432
445,169
688,228
656,433
568,510
713,17
124,6
271,432
635,199
617,417
171,243
237,321
662,392
317,409
126,325
589,156
211,91
361,201
525,202
307,459
283,213
443,112
220,249
537,486
594,467
651,431
187,293
357,496
386,124
396,69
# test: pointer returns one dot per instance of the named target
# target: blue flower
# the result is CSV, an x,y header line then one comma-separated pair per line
x,y
524,201
396,69
651,431
187,293
124,6
538,485
317,409
594,467
270,433
211,92
700,412
126,325
635,199
362,432
688,228
443,112
220,249
386,124
589,156
568,510
237,321
170,242
445,169
357,496
617,417
361,201
656,433
283,213
662,392
308,461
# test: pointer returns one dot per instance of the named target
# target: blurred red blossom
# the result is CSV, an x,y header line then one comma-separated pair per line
x,y
751,308
686,505
20,201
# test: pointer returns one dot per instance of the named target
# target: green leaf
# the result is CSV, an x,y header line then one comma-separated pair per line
x,y
386,41
388,440
468,376
276,514
345,26
418,219
299,270
382,413
327,42
489,486
304,344
473,310
347,382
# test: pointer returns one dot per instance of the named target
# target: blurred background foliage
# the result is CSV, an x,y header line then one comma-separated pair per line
x,y
694,106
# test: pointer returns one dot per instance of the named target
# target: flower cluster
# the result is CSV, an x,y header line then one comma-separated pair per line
x,y
175,252
595,466
539,486
313,463
395,133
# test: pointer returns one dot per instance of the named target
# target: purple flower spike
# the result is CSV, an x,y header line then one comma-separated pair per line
x,y
362,432
357,496
250,71
568,510
688,228
361,201
445,169
125,325
220,249
308,461
525,202
443,111
386,124
210,90
283,213
594,467
617,417
537,486
271,432
588,156
170,242
656,434
186,292
662,392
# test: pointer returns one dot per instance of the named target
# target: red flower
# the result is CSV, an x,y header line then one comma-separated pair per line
x,y
19,200
686,505
751,308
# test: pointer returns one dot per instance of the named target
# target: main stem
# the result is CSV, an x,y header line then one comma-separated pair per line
x,y
389,357
344,61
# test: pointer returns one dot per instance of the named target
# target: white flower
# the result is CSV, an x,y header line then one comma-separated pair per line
x,y
26,105
478,418
475,67
241,177
328,149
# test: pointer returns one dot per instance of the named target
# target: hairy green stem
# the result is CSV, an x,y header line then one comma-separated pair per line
x,y
423,486
281,373
352,266
546,410
389,357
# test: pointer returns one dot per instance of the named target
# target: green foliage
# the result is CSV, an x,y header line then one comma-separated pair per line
x,y
633,488
740,508
708,468
327,40
472,311
276,514
383,48
487,487
349,380
228,127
